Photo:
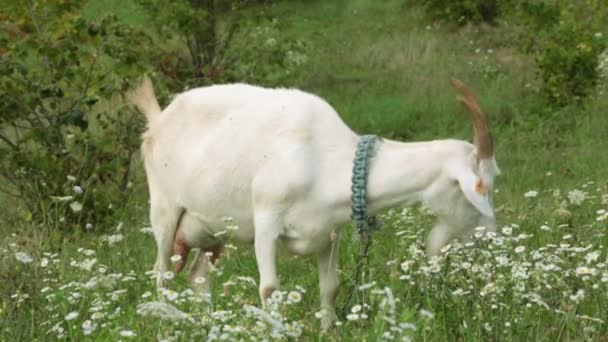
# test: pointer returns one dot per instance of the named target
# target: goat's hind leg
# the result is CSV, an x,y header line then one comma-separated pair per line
x,y
165,220
267,229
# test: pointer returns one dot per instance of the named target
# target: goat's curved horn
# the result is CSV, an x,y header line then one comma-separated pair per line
x,y
483,138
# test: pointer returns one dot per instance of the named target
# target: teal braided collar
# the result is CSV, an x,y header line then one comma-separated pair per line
x,y
365,150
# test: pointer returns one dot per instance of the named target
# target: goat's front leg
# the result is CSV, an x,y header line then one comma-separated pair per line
x,y
438,238
267,229
328,282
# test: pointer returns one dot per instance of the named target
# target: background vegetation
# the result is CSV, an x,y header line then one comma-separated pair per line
x,y
74,248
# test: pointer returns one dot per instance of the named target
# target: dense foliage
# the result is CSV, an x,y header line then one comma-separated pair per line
x,y
566,39
66,155
67,138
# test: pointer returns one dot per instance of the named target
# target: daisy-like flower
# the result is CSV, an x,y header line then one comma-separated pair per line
x,y
199,280
161,310
44,262
277,297
602,215
293,330
321,313
427,314
584,270
87,264
23,257
355,309
578,296
127,333
352,317
294,297
170,294
72,315
520,249
592,257
577,197
176,258
77,190
88,327
531,194
76,207
168,275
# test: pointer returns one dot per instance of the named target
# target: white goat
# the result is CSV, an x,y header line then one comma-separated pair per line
x,y
278,163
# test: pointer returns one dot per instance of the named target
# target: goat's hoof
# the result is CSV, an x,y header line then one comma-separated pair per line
x,y
327,322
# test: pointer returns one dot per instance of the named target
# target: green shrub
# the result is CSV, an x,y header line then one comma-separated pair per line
x,y
259,54
465,11
566,42
218,44
64,153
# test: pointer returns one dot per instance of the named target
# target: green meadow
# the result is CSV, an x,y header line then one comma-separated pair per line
x,y
385,67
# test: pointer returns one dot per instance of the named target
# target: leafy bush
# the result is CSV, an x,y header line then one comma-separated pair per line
x,y
566,42
66,157
221,45
259,54
464,11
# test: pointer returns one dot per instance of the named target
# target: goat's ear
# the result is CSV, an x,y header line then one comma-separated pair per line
x,y
476,192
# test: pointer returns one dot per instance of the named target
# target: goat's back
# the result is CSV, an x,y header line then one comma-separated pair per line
x,y
211,145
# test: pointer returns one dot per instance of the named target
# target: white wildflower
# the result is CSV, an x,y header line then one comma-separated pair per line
x,y
162,310
127,333
88,252
23,257
88,326
76,207
520,249
293,329
72,315
277,296
170,294
584,270
294,297
577,197
176,258
578,296
531,194
44,262
427,314
112,239
321,313
146,230
61,199
87,264
352,317
592,257
77,190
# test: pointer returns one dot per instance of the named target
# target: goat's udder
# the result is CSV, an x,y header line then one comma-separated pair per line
x,y
181,248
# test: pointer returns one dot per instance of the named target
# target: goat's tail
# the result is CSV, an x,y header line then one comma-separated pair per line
x,y
144,98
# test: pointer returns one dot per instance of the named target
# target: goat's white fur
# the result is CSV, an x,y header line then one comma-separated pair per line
x,y
278,162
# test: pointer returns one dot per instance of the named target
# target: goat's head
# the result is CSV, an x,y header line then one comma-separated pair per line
x,y
463,198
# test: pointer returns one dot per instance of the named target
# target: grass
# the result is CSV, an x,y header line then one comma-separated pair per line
x,y
385,68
